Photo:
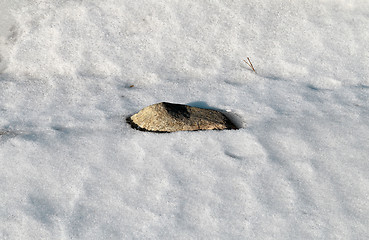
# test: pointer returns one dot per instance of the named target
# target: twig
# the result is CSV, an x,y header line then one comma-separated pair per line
x,y
250,64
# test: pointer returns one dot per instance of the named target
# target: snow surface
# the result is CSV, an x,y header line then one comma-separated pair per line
x,y
73,169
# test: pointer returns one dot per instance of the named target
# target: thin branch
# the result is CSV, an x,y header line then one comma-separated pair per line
x,y
250,64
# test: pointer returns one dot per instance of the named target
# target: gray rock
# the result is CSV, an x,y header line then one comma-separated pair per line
x,y
170,117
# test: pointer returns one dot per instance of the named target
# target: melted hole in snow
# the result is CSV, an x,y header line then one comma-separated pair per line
x,y
235,118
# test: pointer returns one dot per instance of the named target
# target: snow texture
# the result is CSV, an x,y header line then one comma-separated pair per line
x,y
72,168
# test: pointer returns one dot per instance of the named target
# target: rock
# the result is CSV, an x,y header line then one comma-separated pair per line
x,y
170,117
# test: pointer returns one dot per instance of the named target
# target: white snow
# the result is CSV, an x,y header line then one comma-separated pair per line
x,y
71,167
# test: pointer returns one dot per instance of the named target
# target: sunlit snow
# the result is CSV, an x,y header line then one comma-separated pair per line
x,y
72,168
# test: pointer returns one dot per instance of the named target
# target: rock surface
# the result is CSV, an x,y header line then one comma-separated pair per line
x,y
170,117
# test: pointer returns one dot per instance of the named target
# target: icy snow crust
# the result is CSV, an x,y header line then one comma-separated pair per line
x,y
71,168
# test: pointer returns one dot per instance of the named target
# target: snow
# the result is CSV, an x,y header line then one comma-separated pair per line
x,y
72,168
